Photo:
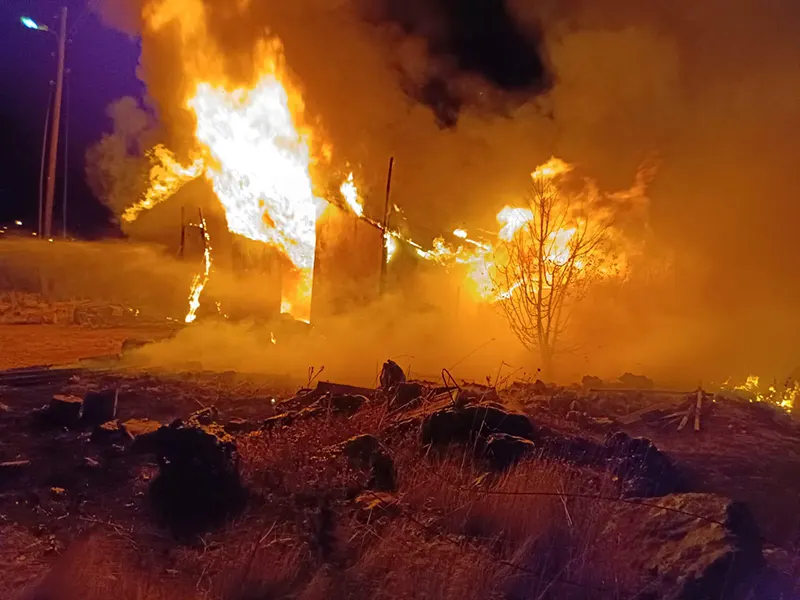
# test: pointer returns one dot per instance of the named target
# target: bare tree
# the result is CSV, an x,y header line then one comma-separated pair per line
x,y
550,253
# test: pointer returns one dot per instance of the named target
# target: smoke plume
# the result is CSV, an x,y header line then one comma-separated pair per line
x,y
470,96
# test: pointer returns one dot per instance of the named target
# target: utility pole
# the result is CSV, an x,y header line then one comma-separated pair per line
x,y
51,172
385,237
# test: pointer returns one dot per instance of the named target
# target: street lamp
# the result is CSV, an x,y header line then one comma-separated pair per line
x,y
51,173
31,24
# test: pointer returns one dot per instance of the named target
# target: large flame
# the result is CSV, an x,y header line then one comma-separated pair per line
x,y
254,149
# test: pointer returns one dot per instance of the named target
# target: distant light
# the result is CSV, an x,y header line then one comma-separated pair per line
x,y
18,223
31,24
34,233
50,240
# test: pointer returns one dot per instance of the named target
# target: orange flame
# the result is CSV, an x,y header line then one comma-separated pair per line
x,y
167,176
201,279
253,150
350,194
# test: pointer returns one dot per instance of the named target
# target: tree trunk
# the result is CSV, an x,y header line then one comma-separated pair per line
x,y
546,355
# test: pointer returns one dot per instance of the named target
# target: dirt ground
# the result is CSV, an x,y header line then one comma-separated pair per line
x,y
33,345
75,487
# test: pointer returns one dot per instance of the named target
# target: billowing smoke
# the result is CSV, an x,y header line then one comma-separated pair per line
x,y
117,166
470,96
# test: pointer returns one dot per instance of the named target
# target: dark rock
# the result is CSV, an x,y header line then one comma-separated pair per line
x,y
637,382
142,432
198,485
366,452
311,411
465,424
280,420
64,411
391,375
571,448
471,393
504,450
539,387
638,459
573,415
14,465
591,382
344,404
239,425
204,416
99,407
562,402
688,557
408,394
110,431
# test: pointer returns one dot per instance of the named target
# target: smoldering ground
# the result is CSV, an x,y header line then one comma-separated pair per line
x,y
711,90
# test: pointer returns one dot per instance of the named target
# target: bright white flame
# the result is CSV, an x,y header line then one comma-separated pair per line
x,y
512,220
391,245
350,194
460,233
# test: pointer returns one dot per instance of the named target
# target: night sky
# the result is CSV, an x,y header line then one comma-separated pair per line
x,y
102,66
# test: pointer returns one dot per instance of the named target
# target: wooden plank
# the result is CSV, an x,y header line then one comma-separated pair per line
x,y
631,418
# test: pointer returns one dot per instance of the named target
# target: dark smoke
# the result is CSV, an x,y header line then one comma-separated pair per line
x,y
470,96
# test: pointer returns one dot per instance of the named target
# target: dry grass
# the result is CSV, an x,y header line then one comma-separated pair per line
x,y
454,533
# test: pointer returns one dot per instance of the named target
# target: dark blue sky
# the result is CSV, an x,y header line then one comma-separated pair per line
x,y
102,65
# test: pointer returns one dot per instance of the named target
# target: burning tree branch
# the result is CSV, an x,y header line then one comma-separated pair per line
x,y
549,254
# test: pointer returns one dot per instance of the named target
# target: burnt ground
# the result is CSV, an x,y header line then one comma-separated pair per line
x,y
75,489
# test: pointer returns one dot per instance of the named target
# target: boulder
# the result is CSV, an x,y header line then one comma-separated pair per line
x,y
366,452
345,404
99,406
204,416
142,432
645,470
700,548
108,432
591,382
468,423
278,421
198,485
11,465
539,387
408,394
64,410
637,382
572,448
239,425
391,375
504,450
